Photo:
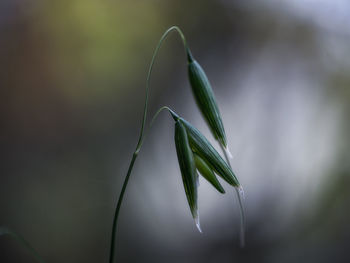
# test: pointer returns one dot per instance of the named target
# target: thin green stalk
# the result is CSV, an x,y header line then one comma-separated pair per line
x,y
240,196
22,241
120,200
160,110
164,36
141,137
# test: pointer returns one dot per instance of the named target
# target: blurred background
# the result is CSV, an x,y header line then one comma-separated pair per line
x,y
72,88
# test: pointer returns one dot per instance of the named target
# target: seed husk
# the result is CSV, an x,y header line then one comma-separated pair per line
x,y
207,173
187,167
205,98
201,146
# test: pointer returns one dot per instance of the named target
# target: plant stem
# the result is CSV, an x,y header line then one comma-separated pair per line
x,y
120,200
173,114
239,192
164,36
141,136
21,241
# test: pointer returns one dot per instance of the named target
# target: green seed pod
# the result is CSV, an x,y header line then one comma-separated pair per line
x,y
207,173
201,146
205,99
187,167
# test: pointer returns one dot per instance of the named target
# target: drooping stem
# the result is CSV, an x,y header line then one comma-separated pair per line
x,y
173,114
141,136
240,195
164,36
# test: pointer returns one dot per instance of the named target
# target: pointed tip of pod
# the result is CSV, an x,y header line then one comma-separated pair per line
x,y
228,153
222,191
198,225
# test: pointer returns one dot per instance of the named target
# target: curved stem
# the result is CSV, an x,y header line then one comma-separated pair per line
x,y
239,192
164,36
22,241
173,114
141,136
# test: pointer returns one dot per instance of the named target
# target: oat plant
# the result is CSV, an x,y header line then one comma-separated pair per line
x,y
195,153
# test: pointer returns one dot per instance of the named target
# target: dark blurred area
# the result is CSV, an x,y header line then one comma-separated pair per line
x,y
72,88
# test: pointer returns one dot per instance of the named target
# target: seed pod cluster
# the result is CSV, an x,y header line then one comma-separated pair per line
x,y
195,153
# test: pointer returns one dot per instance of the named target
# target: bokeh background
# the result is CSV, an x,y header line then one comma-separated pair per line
x,y
72,83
